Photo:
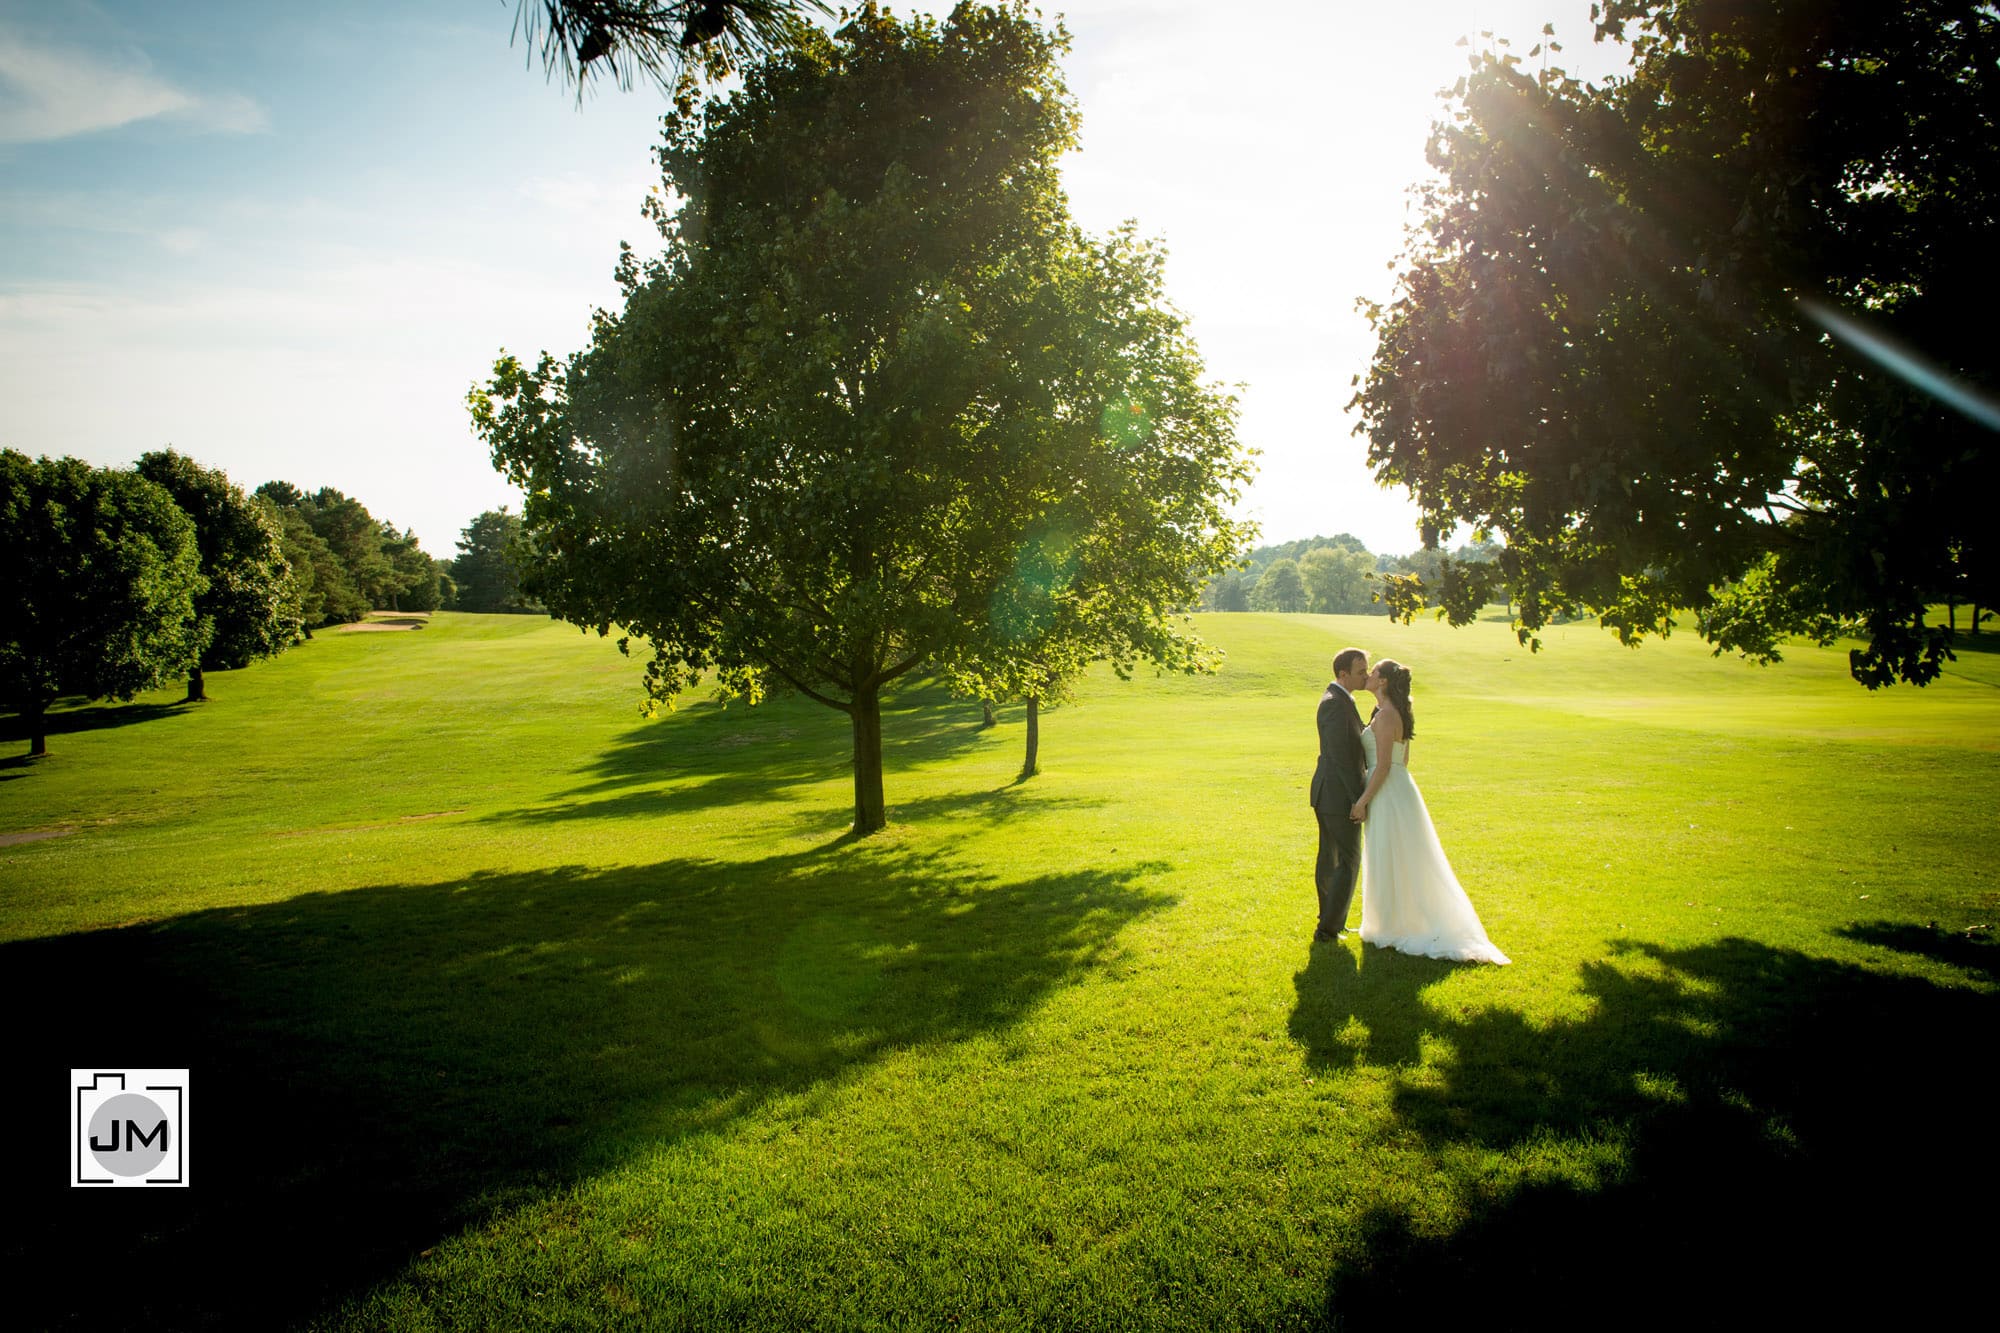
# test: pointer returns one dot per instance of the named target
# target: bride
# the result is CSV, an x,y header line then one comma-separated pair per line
x,y
1410,899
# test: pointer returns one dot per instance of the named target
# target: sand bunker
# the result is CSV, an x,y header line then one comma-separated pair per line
x,y
380,621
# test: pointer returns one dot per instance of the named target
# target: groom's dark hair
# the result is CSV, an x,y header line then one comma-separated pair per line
x,y
1344,660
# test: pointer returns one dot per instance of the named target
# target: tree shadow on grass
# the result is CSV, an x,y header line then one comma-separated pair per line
x,y
996,805
1955,948
1965,641
707,756
374,1070
1801,1138
68,721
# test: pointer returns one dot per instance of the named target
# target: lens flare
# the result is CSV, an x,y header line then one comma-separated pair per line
x,y
1024,605
1905,363
1125,423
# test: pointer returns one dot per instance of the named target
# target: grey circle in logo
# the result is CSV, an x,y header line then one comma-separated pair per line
x,y
113,1143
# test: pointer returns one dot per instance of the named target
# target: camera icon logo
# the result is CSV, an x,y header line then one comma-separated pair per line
x,y
128,1127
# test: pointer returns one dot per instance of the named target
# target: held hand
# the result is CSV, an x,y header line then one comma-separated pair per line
x,y
1359,814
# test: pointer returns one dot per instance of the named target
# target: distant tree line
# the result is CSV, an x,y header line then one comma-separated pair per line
x,y
118,579
1335,575
346,561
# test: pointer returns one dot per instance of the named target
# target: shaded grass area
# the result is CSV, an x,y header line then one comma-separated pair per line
x,y
86,715
1763,1108
718,762
510,1010
381,1064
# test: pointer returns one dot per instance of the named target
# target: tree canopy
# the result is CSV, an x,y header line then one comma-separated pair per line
x,y
1696,338
1279,587
1338,581
103,571
417,581
327,596
1108,573
875,372
1227,591
486,575
251,606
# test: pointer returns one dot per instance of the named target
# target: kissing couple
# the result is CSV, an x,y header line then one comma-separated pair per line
x,y
1410,899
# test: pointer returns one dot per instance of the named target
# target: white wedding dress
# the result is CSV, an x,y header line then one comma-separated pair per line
x,y
1410,899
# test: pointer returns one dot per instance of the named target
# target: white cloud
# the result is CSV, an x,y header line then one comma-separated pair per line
x,y
228,113
49,93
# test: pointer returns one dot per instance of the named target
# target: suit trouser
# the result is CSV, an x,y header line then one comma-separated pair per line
x,y
1334,869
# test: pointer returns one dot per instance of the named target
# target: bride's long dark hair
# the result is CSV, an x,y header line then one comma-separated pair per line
x,y
1396,692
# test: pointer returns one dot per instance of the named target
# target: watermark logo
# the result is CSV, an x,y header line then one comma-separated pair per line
x,y
128,1127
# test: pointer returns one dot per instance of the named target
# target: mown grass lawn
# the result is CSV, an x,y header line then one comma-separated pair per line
x,y
508,1008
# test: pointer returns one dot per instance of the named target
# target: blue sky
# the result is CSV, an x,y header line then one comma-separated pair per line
x,y
286,238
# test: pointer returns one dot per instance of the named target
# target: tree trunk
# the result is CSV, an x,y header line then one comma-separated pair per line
x,y
35,717
991,721
197,690
869,811
1028,765
1975,619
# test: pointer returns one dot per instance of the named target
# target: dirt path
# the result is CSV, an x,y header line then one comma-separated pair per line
x,y
11,839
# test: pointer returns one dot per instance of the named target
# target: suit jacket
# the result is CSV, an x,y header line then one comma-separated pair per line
x,y
1341,774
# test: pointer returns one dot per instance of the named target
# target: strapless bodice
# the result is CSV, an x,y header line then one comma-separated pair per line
x,y
1399,753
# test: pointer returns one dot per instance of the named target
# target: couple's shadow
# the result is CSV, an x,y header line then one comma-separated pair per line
x,y
1359,1003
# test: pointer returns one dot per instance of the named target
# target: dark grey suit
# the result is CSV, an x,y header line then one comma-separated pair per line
x,y
1337,783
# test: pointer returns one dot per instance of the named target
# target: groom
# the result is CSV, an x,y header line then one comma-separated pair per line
x,y
1336,786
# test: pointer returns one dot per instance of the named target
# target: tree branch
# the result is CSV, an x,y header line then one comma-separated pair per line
x,y
906,665
807,690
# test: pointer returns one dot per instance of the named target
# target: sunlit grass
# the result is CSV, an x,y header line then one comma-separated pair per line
x,y
579,1020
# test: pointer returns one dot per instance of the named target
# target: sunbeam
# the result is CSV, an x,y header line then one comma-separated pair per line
x,y
1904,362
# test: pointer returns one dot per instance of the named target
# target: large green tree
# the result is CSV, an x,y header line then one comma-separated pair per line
x,y
252,606
1704,337
1227,591
1279,588
876,363
357,538
487,572
1339,581
98,598
326,595
417,580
